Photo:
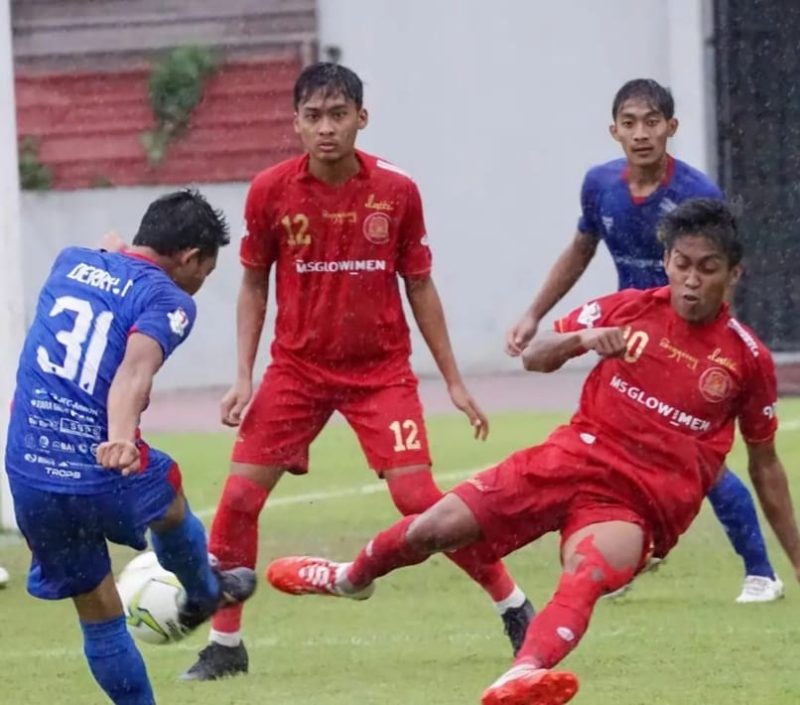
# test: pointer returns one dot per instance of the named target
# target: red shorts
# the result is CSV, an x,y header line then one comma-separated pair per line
x,y
538,490
290,409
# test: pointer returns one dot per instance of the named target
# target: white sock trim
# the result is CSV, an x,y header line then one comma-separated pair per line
x,y
230,639
515,599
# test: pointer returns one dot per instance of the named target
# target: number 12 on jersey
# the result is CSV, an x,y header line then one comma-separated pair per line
x,y
73,340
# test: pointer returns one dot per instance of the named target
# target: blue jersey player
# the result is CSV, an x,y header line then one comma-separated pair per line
x,y
80,474
622,202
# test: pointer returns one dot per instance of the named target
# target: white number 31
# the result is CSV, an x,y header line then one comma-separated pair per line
x,y
73,341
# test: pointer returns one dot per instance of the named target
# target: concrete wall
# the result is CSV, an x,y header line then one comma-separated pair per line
x,y
497,109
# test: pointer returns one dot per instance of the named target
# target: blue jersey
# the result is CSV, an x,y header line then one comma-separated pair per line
x,y
628,225
89,305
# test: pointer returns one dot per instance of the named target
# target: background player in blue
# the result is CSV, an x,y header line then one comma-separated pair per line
x,y
621,202
80,474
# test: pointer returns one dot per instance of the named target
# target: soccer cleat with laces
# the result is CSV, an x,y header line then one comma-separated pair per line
x,y
235,586
759,588
528,685
515,623
217,661
306,575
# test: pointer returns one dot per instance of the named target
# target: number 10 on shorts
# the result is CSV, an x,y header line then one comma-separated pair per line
x,y
405,435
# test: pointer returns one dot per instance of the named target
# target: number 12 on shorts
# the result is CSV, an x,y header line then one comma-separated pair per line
x,y
405,435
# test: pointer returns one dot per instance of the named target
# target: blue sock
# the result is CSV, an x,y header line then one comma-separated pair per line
x,y
116,663
733,504
183,551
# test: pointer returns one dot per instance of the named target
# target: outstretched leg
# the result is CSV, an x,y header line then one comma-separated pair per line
x,y
597,559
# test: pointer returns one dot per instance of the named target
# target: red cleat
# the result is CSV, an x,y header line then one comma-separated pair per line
x,y
306,575
527,685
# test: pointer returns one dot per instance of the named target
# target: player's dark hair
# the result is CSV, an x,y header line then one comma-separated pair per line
x,y
649,91
332,80
705,217
182,220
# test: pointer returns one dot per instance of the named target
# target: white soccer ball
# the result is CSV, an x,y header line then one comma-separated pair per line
x,y
151,597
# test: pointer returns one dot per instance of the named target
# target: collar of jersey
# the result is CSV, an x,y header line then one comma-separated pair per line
x,y
144,258
626,174
303,174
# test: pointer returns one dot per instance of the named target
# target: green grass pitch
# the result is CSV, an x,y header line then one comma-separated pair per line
x,y
429,636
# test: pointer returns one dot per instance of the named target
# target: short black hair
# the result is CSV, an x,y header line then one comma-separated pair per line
x,y
703,217
330,78
182,220
649,91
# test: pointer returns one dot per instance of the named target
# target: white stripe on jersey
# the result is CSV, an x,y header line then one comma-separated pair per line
x,y
391,167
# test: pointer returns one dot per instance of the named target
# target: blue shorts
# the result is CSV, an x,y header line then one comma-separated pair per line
x,y
67,533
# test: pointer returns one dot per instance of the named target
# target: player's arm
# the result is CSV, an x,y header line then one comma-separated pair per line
x,y
549,350
772,487
563,275
127,398
251,311
429,315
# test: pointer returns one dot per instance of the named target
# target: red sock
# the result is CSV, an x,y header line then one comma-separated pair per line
x,y
234,537
386,552
415,492
558,628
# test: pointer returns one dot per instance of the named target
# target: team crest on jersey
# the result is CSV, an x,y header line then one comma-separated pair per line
x,y
715,384
377,228
608,223
590,313
178,321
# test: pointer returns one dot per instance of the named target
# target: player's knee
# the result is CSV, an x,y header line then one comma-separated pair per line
x,y
446,526
413,493
589,574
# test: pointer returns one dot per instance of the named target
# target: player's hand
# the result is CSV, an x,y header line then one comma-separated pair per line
x,y
521,334
235,401
119,455
112,242
463,401
606,342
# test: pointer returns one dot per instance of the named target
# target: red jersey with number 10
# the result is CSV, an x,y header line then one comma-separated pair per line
x,y
338,252
661,418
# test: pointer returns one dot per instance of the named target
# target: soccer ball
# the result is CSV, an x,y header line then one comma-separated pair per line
x,y
151,597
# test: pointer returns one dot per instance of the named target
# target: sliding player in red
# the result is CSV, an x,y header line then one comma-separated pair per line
x,y
626,477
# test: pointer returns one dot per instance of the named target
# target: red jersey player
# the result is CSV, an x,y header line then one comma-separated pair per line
x,y
339,226
625,478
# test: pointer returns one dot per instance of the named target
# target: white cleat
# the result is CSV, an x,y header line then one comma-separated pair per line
x,y
3,577
758,588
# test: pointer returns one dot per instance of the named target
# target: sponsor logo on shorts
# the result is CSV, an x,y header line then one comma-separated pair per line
x,y
715,385
377,227
675,416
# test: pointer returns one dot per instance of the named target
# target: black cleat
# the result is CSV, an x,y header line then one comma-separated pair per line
x,y
235,586
515,623
217,661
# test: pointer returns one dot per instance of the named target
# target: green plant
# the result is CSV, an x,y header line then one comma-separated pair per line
x,y
176,87
33,175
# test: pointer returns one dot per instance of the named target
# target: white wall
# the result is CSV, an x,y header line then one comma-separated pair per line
x,y
496,108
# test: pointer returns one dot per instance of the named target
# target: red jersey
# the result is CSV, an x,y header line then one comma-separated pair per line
x,y
338,252
662,417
